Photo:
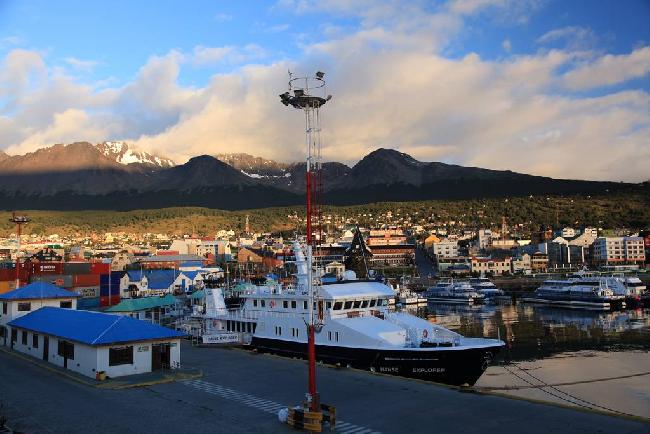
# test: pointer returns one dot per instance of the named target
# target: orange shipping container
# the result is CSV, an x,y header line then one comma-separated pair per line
x,y
85,280
6,286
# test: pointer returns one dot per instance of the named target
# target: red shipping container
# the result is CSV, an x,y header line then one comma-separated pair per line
x,y
100,268
44,267
7,274
104,301
85,280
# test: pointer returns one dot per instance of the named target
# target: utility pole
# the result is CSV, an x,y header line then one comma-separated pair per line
x,y
19,220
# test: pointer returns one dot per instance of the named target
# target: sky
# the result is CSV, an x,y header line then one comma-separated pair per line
x,y
557,88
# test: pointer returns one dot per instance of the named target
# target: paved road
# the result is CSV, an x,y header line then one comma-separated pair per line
x,y
241,392
424,265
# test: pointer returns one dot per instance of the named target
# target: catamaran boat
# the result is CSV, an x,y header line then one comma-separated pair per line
x,y
405,296
583,293
453,292
484,286
355,328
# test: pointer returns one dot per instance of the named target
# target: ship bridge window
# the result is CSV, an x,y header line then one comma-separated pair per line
x,y
328,305
372,302
285,304
357,304
338,305
304,304
254,303
348,305
293,304
263,303
364,303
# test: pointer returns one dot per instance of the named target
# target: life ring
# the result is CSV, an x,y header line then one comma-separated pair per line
x,y
272,304
425,333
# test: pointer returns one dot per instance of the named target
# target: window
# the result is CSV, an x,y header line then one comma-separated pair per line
x,y
329,335
338,305
254,303
35,340
65,304
372,303
278,330
66,350
4,307
293,304
24,307
263,302
348,305
120,356
357,304
336,336
24,339
14,335
304,305
364,303
328,305
285,304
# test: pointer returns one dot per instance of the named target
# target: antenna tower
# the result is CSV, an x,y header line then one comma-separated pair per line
x,y
308,93
19,220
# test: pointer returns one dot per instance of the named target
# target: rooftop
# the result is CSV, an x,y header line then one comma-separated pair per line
x,y
38,290
91,328
145,303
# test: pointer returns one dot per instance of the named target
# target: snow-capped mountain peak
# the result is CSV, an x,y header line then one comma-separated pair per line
x,y
122,153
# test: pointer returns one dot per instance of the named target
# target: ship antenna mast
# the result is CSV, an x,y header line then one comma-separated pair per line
x,y
309,94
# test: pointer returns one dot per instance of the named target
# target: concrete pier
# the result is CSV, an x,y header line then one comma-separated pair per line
x,y
241,392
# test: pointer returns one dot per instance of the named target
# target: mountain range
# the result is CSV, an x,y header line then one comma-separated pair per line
x,y
113,175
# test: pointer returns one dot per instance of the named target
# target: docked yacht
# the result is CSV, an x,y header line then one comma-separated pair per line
x,y
635,289
484,286
598,293
355,328
453,292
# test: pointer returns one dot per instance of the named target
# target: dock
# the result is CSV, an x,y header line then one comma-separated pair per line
x,y
241,392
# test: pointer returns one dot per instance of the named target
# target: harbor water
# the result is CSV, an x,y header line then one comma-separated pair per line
x,y
588,359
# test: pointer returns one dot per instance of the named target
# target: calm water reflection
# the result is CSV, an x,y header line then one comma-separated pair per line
x,y
533,332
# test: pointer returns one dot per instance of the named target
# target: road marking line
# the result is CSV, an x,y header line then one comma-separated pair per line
x,y
264,405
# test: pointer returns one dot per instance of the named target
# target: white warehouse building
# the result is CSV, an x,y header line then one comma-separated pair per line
x,y
92,342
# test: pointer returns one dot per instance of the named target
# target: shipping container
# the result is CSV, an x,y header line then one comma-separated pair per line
x,y
104,300
113,284
100,268
76,268
7,286
87,291
43,267
60,280
7,274
85,280
88,303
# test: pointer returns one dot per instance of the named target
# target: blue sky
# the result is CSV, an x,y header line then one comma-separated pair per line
x,y
182,78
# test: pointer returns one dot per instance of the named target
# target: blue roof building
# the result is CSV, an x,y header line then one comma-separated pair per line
x,y
23,300
37,290
89,342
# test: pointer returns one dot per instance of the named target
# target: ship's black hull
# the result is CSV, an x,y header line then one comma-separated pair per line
x,y
441,365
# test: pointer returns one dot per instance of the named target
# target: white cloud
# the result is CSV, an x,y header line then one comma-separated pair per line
x,y
81,65
507,45
609,70
575,38
392,87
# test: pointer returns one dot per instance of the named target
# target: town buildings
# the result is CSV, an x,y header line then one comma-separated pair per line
x,y
619,251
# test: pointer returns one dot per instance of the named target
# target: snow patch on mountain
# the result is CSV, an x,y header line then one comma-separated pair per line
x,y
122,153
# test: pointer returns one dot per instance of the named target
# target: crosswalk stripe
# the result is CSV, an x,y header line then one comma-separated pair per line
x,y
265,405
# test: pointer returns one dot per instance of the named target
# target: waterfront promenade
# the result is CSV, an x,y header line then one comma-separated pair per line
x,y
241,392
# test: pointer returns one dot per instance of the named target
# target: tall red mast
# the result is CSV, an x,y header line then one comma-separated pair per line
x,y
309,95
